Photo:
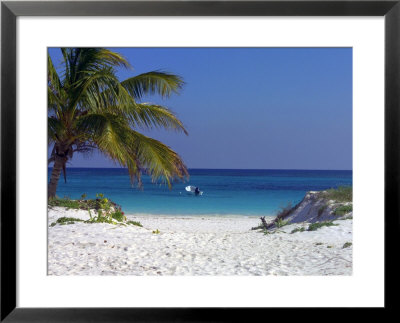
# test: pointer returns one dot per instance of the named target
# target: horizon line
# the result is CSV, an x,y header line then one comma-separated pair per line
x,y
196,168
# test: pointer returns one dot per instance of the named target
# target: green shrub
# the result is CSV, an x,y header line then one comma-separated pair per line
x,y
65,220
134,223
119,216
341,194
98,203
107,211
156,231
347,244
343,209
298,230
101,219
317,225
65,202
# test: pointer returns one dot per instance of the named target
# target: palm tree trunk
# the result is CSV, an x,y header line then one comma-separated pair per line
x,y
55,175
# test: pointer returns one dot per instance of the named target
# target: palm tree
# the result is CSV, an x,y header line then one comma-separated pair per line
x,y
89,108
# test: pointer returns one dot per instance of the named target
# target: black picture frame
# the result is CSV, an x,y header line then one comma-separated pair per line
x,y
10,10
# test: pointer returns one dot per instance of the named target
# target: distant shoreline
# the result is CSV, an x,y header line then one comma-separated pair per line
x,y
233,169
196,216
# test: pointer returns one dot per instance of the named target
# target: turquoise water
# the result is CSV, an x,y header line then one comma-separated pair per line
x,y
226,192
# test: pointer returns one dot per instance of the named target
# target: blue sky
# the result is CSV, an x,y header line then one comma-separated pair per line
x,y
256,108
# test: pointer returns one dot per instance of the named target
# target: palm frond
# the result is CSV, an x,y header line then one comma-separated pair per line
x,y
55,128
147,115
79,61
90,91
156,82
108,131
161,162
52,76
133,150
92,59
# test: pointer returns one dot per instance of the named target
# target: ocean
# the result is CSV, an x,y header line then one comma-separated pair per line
x,y
241,192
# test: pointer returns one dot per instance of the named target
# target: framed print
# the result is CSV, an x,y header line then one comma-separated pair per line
x,y
284,119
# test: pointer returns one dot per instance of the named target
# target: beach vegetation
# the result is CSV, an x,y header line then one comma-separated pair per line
x,y
343,209
96,204
264,225
119,216
134,223
100,218
258,227
106,210
89,108
65,202
261,227
280,223
318,243
349,217
65,220
284,211
156,231
317,225
340,194
347,244
302,229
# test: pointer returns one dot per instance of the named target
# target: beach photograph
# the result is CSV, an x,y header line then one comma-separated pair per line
x,y
200,161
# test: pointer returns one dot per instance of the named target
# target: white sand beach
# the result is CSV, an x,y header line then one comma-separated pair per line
x,y
194,246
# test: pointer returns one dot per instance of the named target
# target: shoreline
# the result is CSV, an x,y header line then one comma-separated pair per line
x,y
194,245
194,216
